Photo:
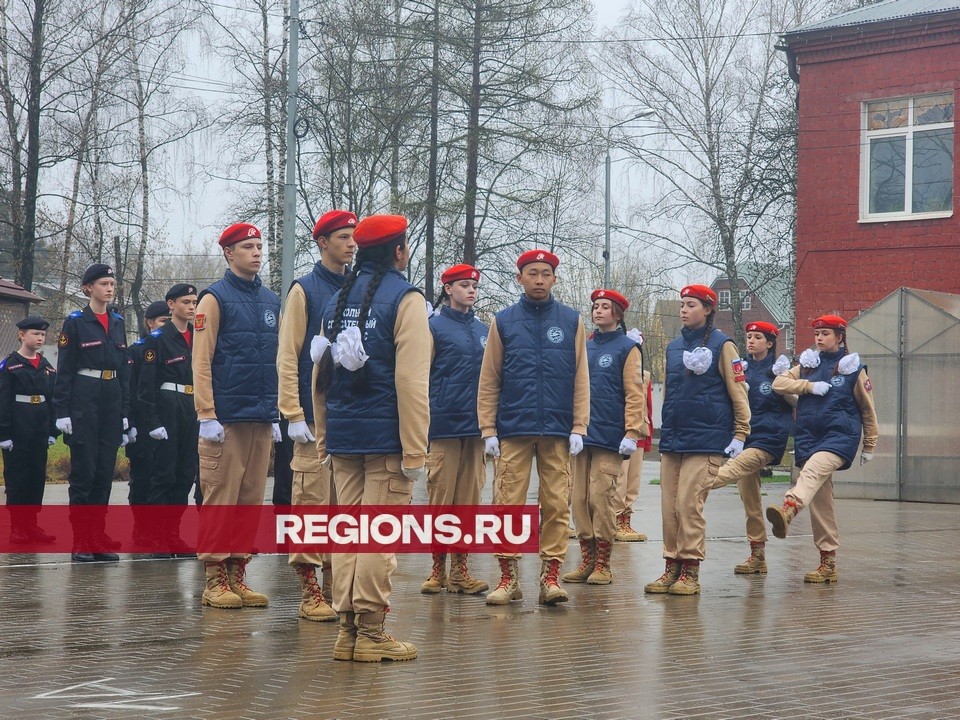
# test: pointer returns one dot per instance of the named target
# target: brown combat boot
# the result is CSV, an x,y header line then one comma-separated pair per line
x,y
756,563
625,533
237,570
313,605
460,579
588,560
550,591
438,575
326,574
601,574
218,593
374,645
689,581
827,572
346,638
780,517
509,587
662,584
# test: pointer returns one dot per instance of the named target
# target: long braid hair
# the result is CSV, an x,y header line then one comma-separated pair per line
x,y
443,297
772,351
846,349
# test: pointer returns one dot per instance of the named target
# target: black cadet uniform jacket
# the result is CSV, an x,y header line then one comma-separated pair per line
x,y
166,359
26,400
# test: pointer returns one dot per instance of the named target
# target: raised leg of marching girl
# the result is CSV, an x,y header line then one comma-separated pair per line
x,y
706,414
455,466
628,484
835,407
617,424
771,419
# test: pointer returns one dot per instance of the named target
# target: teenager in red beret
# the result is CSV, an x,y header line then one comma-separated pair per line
x,y
455,468
771,420
534,401
835,408
618,423
706,415
312,482
372,414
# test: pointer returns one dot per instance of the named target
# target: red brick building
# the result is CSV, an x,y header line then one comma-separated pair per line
x,y
764,295
876,186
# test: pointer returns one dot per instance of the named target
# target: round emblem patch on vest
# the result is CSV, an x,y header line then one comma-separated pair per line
x,y
270,318
838,380
605,361
555,335
766,388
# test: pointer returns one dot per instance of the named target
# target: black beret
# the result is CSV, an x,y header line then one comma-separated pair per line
x,y
33,323
97,271
180,290
157,309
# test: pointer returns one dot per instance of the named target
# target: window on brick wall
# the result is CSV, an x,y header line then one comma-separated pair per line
x,y
746,300
906,163
723,299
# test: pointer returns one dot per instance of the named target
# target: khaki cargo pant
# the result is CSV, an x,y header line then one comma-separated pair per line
x,y
362,581
312,485
814,490
234,472
744,470
595,475
553,469
628,485
455,471
685,480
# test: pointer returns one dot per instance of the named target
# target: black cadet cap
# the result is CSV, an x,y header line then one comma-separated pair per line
x,y
33,322
157,309
95,272
180,290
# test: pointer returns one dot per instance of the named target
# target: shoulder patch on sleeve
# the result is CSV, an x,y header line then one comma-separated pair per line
x,y
62,340
199,321
868,386
738,372
149,356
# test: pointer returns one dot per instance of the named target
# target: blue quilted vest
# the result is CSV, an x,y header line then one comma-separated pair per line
x,y
539,367
697,411
458,343
318,286
831,423
771,417
607,354
245,361
365,420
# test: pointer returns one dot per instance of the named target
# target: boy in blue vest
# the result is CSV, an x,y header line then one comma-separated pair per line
x,y
534,396
312,482
235,393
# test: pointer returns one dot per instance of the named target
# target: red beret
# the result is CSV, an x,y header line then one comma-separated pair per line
x,y
460,272
829,322
700,292
333,221
237,232
610,295
379,230
532,256
763,327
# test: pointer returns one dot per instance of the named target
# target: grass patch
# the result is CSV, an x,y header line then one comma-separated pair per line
x,y
58,464
655,481
779,479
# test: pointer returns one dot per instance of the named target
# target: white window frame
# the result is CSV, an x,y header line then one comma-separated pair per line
x,y
724,304
907,131
746,300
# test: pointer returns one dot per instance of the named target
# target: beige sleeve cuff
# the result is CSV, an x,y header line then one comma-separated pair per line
x,y
863,394
204,346
635,397
737,391
292,329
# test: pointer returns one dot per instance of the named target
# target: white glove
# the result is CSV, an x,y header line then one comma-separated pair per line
x,y
491,446
628,446
299,432
124,440
211,431
65,426
697,360
416,474
277,435
348,349
865,457
849,363
576,443
132,434
781,365
159,433
318,346
430,310
635,335
810,358
734,448
51,441
820,388
126,425
6,445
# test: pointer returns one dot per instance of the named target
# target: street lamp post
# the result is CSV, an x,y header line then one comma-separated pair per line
x,y
606,194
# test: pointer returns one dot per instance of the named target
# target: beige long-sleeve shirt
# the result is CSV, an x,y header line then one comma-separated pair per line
x,y
635,417
292,331
414,349
491,383
206,329
791,383
737,390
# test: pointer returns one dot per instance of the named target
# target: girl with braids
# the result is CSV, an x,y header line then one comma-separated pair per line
x,y
834,408
371,395
771,419
618,421
706,414
455,467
